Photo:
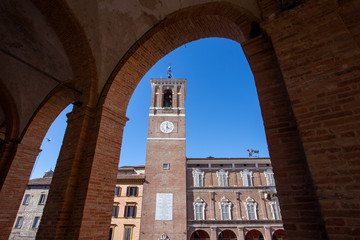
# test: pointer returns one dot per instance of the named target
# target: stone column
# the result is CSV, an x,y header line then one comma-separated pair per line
x,y
159,97
82,190
213,233
241,235
267,235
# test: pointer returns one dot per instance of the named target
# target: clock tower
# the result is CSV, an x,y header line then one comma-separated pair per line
x,y
164,205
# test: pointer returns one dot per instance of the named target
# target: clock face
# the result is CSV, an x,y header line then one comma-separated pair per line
x,y
166,127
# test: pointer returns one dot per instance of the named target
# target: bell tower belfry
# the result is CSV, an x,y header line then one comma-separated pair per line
x,y
164,197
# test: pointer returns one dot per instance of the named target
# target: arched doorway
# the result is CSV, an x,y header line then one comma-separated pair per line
x,y
254,235
200,234
227,235
279,235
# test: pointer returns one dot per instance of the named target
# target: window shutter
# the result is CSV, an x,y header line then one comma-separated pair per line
x,y
136,191
134,215
128,191
126,211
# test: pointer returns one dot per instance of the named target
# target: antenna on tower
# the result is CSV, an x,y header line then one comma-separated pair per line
x,y
170,75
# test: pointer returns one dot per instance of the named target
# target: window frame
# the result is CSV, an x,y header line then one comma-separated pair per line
x,y
19,222
117,191
223,178
198,177
250,202
128,191
111,232
247,177
115,210
269,175
26,200
225,206
42,199
131,227
199,207
36,222
129,206
275,209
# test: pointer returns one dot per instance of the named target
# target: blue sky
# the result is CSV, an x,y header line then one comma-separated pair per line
x,y
223,117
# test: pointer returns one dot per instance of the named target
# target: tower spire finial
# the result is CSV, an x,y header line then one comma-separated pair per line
x,y
170,75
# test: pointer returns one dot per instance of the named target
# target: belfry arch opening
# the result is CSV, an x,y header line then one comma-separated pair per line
x,y
168,99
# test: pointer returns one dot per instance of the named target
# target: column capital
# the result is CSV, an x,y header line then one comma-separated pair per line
x,y
117,117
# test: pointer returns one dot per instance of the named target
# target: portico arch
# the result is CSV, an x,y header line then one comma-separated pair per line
x,y
200,234
227,21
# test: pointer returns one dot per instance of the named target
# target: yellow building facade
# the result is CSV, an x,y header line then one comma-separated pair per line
x,y
125,222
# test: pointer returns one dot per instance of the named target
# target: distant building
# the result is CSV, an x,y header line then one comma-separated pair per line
x,y
125,222
232,198
31,209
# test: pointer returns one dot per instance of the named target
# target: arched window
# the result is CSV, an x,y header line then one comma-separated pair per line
x,y
198,177
222,177
199,209
168,99
247,178
251,208
269,177
225,207
275,209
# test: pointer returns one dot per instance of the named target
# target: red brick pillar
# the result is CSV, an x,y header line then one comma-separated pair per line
x,y
300,209
212,205
14,183
238,205
17,159
318,50
82,190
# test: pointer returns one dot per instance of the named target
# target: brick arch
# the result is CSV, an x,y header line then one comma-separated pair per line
x,y
23,155
284,142
202,232
208,20
254,233
20,158
227,233
11,128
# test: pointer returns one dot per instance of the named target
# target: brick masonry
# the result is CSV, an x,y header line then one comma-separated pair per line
x,y
306,65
